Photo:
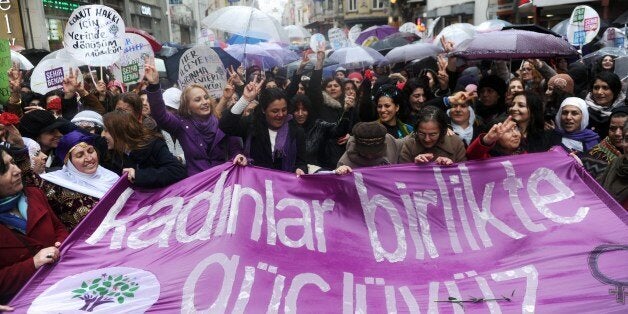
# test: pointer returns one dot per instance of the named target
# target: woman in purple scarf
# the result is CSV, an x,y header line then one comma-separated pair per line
x,y
571,121
195,126
271,138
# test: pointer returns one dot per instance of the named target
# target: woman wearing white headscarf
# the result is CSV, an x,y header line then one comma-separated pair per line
x,y
77,187
37,158
571,121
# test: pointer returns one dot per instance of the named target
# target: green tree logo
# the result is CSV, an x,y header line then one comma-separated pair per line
x,y
106,289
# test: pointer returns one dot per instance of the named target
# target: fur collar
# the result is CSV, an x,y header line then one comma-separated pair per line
x,y
330,102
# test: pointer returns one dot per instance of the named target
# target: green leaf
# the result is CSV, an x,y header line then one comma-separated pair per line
x,y
84,285
120,300
133,289
79,291
128,294
101,289
118,278
96,280
92,287
102,292
107,283
111,293
124,287
117,294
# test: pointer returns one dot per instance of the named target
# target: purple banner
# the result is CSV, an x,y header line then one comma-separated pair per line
x,y
532,233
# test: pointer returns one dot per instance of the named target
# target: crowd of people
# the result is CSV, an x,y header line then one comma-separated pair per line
x,y
62,152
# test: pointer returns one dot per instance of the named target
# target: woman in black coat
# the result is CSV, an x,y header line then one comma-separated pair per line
x,y
271,137
139,152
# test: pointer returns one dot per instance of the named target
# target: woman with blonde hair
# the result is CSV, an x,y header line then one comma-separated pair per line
x,y
139,152
195,125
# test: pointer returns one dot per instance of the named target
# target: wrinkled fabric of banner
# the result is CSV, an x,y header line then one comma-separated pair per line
x,y
532,233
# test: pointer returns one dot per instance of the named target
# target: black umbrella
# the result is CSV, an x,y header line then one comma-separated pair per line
x,y
172,62
387,44
622,19
34,55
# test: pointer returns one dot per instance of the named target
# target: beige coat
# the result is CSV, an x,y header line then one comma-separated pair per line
x,y
452,147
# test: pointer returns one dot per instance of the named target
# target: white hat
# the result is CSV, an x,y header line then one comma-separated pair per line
x,y
33,149
172,97
88,116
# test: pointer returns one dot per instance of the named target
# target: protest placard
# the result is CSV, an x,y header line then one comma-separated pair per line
x,y
527,234
201,65
48,75
409,27
94,34
316,41
584,24
130,67
5,65
337,38
354,32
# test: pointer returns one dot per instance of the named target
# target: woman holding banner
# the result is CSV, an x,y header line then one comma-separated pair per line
x,y
272,139
195,126
31,233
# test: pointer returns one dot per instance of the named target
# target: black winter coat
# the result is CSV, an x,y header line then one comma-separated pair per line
x,y
154,165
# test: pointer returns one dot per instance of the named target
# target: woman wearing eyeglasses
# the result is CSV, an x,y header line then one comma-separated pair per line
x,y
430,141
534,73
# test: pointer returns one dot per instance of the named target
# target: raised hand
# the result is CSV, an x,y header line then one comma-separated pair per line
x,y
150,72
448,46
228,91
442,76
498,130
15,78
252,89
234,76
71,83
349,102
342,170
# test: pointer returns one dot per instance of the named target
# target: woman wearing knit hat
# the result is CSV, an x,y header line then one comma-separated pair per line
x,y
571,126
370,145
74,190
44,128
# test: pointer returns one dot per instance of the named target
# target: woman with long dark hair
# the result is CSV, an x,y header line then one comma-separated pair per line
x,y
271,137
604,94
526,110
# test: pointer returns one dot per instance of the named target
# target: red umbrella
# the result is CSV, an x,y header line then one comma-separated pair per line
x,y
154,43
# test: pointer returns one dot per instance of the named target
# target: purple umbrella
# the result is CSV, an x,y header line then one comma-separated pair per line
x,y
378,31
514,44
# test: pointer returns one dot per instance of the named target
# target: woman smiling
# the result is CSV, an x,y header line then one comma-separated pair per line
x,y
74,190
571,126
388,99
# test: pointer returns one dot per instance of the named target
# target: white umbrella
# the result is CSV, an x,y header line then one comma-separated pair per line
x,y
412,52
18,58
356,57
246,22
64,55
297,32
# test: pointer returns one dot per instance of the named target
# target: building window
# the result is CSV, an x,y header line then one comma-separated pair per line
x,y
378,4
353,5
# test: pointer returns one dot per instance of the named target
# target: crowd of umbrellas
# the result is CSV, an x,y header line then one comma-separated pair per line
x,y
256,38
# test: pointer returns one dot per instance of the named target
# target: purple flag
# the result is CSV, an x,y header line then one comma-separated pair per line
x,y
532,233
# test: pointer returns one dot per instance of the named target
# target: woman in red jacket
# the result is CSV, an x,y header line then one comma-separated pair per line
x,y
30,233
503,139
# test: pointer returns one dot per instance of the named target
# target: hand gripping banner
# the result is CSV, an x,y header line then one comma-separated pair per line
x,y
532,233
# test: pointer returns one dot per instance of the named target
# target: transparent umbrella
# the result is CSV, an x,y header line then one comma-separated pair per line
x,y
356,57
621,67
246,22
412,52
